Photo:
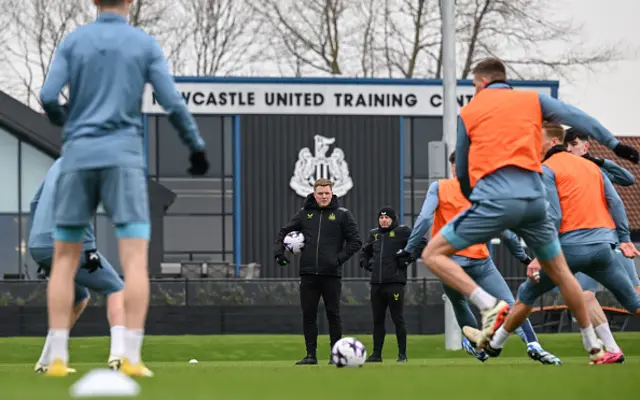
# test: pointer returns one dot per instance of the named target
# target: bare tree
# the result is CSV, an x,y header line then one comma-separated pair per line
x,y
412,37
312,33
36,28
523,33
218,37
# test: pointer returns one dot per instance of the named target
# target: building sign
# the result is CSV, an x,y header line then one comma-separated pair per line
x,y
311,167
314,99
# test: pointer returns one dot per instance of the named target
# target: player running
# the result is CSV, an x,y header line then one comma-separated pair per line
x,y
588,214
95,272
444,201
578,144
498,166
106,65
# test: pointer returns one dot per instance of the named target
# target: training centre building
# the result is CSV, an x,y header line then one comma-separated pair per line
x,y
268,140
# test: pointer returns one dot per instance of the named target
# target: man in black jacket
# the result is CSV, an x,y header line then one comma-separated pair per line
x,y
388,268
331,237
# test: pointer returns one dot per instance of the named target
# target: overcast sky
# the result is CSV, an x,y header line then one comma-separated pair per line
x,y
611,96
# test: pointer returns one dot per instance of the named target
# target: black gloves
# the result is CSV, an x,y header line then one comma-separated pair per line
x,y
92,261
365,264
282,260
199,163
597,160
627,152
404,258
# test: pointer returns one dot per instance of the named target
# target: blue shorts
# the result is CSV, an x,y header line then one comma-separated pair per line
x,y
122,191
104,280
486,219
595,260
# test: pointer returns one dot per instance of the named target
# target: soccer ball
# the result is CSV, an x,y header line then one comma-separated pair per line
x,y
294,242
349,352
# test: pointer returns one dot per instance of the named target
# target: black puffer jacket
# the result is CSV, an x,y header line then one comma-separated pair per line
x,y
379,254
331,237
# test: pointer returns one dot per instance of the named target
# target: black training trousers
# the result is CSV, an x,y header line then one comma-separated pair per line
x,y
391,296
312,287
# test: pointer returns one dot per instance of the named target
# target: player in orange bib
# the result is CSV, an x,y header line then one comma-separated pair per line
x,y
590,218
499,168
444,201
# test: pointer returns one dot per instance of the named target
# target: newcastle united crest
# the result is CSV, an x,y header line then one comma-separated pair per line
x,y
311,167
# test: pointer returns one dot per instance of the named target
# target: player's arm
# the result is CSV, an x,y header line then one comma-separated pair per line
x,y
170,99
57,78
367,251
295,224
424,220
352,238
617,174
462,158
556,111
553,199
616,210
33,206
512,241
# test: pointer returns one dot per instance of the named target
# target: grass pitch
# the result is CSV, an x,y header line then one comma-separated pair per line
x,y
262,367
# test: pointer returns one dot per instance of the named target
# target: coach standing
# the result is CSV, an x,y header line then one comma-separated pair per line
x,y
384,256
331,238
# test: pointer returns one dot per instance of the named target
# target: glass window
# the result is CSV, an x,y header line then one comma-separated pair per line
x,y
228,233
29,267
199,196
173,154
9,244
8,173
107,241
197,233
35,165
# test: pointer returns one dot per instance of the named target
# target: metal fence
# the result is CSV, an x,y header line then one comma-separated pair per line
x,y
260,292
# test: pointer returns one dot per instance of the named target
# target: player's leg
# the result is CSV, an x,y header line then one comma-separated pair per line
x,y
379,313
630,267
478,224
309,301
542,238
395,299
486,274
331,291
106,281
76,199
464,317
81,300
607,270
124,196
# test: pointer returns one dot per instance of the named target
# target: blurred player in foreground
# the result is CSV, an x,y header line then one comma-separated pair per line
x,y
499,169
578,144
589,216
106,65
95,271
444,201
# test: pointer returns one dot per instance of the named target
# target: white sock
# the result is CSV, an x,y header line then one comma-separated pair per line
x,y
59,345
133,344
482,299
44,357
117,341
589,338
499,338
604,333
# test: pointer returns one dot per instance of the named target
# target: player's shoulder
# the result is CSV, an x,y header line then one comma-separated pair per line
x,y
373,231
343,210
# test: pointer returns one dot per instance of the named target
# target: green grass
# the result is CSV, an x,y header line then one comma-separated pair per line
x,y
256,366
